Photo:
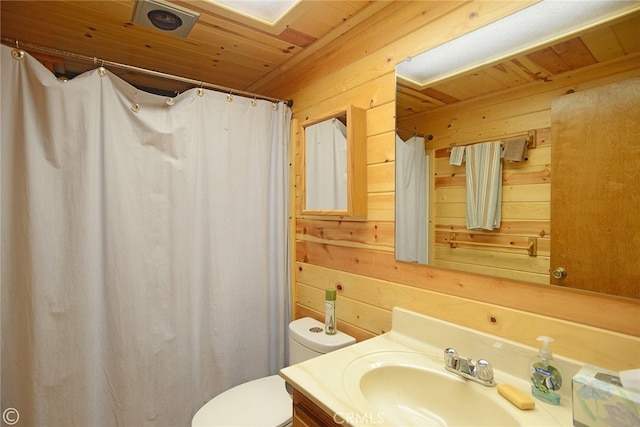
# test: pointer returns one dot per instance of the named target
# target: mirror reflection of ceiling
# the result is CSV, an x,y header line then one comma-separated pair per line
x,y
533,26
600,44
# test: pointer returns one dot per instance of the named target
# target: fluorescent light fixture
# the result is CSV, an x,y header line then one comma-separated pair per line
x,y
531,27
267,11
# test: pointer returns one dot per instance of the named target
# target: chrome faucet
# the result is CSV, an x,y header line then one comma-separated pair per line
x,y
480,371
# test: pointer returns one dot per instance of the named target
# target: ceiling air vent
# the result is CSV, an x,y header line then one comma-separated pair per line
x,y
164,16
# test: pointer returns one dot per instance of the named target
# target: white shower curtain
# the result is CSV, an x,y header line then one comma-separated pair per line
x,y
412,171
326,165
143,247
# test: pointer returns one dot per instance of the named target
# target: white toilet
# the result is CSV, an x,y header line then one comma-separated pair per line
x,y
265,401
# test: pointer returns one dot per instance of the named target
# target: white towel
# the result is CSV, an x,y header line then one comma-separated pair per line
x,y
457,156
484,185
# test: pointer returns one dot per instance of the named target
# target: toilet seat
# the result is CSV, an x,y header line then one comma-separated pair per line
x,y
262,402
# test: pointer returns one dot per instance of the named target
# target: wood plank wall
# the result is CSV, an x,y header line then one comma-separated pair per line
x,y
526,214
357,257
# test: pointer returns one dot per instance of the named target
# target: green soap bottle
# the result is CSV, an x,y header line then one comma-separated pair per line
x,y
545,376
330,312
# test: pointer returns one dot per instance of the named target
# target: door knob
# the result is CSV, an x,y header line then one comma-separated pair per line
x,y
559,273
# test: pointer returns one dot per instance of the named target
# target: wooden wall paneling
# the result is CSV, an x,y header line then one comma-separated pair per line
x,y
489,130
381,206
366,316
381,148
321,58
501,272
339,55
295,153
365,55
320,102
365,234
526,196
381,177
522,210
380,119
372,278
533,174
528,228
527,174
357,162
570,339
565,304
499,262
521,192
295,207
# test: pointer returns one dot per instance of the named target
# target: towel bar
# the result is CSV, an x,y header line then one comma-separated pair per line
x,y
531,248
532,141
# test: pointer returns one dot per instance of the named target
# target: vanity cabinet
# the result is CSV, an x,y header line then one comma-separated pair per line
x,y
307,414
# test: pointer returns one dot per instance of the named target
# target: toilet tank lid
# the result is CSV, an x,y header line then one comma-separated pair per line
x,y
310,333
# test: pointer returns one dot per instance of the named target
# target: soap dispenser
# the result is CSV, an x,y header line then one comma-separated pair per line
x,y
545,376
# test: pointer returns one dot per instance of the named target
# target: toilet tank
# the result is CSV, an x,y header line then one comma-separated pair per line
x,y
307,340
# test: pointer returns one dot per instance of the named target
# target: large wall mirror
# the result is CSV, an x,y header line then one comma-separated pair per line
x,y
333,148
513,100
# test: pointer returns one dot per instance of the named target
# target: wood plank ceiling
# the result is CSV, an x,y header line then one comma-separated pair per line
x,y
223,48
234,51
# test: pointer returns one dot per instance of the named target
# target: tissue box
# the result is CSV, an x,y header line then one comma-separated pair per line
x,y
600,402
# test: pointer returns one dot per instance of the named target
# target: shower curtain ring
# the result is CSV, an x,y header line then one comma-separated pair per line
x,y
254,102
135,106
17,53
229,97
101,70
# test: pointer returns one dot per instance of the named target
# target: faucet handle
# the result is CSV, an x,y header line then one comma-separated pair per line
x,y
451,358
484,371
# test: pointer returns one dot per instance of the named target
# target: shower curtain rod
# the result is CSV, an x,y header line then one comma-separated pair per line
x,y
428,137
18,44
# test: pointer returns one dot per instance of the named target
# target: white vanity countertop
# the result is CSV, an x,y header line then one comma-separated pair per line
x,y
328,381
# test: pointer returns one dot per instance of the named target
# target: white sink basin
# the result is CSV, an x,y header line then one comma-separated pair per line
x,y
404,388
398,379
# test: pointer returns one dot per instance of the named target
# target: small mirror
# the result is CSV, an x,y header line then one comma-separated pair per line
x,y
333,147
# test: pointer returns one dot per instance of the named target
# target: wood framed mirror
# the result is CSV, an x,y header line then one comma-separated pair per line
x,y
334,176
